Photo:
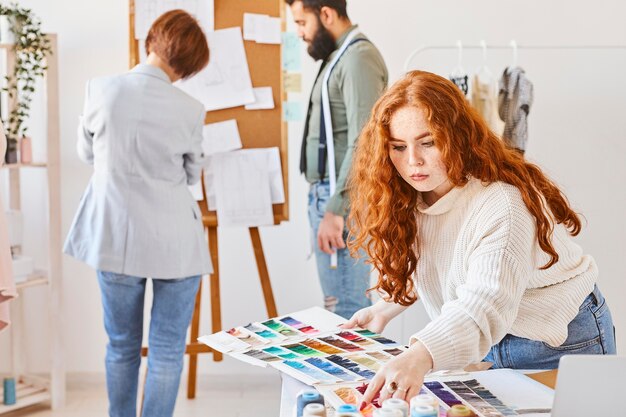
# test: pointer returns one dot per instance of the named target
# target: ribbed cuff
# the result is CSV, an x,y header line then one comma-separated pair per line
x,y
441,348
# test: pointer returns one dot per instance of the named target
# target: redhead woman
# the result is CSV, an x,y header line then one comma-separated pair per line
x,y
450,216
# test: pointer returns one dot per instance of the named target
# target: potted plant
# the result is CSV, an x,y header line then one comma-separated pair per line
x,y
31,48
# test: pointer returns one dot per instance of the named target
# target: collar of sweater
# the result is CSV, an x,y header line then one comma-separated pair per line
x,y
448,201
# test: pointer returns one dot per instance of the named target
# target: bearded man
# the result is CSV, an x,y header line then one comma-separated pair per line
x,y
354,75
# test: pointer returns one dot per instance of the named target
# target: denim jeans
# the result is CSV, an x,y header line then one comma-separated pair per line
x,y
590,333
344,288
172,306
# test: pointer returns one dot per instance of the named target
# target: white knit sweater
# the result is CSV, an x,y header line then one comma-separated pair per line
x,y
479,278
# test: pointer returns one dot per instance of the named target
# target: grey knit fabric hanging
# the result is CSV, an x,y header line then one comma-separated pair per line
x,y
514,100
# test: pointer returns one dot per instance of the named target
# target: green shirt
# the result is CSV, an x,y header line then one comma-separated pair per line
x,y
355,84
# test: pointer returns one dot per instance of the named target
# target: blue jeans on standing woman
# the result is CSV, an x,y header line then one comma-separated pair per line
x,y
590,333
172,307
345,287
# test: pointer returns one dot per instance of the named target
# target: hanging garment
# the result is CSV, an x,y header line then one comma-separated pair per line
x,y
7,285
461,81
484,98
514,101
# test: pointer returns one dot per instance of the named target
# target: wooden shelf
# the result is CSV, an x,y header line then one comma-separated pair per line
x,y
29,165
27,394
30,389
37,278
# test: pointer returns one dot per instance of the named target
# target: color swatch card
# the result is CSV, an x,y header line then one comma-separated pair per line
x,y
493,393
309,346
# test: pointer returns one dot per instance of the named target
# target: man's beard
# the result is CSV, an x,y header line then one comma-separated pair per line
x,y
322,44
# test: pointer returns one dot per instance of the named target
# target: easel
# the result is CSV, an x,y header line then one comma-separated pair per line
x,y
258,129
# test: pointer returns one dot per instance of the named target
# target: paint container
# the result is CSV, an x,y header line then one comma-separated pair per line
x,y
397,404
9,391
424,411
314,410
424,399
387,412
459,410
307,397
347,410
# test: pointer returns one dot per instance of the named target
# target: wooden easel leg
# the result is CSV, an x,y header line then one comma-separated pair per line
x,y
264,275
193,337
216,308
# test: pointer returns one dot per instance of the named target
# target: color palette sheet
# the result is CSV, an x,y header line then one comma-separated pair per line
x,y
309,346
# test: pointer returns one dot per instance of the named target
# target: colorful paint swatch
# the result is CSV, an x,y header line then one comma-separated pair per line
x,y
281,328
303,350
351,366
246,336
375,401
352,396
355,338
393,352
366,361
298,325
480,398
379,356
263,332
280,352
262,356
341,343
322,347
378,338
439,391
226,341
311,372
331,369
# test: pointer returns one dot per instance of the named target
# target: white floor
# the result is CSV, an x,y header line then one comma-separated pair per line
x,y
216,396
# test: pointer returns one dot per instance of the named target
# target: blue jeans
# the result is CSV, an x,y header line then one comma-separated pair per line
x,y
590,333
172,307
344,288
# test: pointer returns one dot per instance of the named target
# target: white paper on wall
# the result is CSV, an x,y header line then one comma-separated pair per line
x,y
264,99
261,28
267,156
147,11
221,137
242,190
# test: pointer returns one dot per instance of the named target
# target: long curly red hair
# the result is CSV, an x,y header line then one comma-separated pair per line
x,y
383,215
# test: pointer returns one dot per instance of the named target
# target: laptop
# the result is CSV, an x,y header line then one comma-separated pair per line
x,y
590,385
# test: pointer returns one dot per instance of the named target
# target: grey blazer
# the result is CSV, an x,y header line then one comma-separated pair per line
x,y
137,217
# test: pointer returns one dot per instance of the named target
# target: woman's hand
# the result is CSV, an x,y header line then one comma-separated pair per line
x,y
401,377
375,317
367,318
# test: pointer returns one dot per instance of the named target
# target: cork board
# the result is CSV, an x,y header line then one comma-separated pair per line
x,y
257,128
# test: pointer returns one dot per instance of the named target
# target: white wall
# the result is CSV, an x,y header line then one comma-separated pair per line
x,y
577,133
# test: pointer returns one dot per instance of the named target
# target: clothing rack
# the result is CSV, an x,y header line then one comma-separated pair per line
x,y
513,46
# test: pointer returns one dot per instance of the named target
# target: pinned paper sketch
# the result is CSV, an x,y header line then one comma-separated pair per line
x,y
264,99
242,189
292,58
269,157
249,26
292,111
292,82
221,137
147,11
269,31
225,82
261,28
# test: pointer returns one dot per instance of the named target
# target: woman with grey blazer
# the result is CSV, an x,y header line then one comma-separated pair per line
x,y
137,218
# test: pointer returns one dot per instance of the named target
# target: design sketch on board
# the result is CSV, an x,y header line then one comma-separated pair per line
x,y
147,11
